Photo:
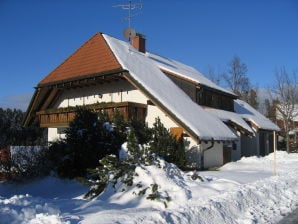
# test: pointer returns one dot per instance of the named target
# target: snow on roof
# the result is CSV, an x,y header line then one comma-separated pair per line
x,y
249,113
226,116
149,76
184,71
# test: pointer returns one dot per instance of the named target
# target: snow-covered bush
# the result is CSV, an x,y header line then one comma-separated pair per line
x,y
141,130
143,148
89,138
140,175
26,163
113,170
123,174
12,131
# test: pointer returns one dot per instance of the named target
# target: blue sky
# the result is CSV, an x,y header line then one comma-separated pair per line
x,y
37,35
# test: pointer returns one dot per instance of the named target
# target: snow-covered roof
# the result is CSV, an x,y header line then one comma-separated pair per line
x,y
227,116
250,114
147,74
184,71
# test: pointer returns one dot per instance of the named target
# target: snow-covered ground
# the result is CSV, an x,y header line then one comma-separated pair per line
x,y
245,191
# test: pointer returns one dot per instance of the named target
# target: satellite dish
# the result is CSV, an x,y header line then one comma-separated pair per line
x,y
129,33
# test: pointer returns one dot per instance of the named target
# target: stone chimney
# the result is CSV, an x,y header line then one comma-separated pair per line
x,y
139,42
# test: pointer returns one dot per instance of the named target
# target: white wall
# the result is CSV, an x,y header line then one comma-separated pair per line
x,y
153,112
53,135
214,156
120,91
236,149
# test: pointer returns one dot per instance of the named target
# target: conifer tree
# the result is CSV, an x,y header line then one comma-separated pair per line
x,y
133,146
119,128
166,145
88,139
141,130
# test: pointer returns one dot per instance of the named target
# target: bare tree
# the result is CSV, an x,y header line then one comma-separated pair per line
x,y
236,77
270,108
286,93
238,81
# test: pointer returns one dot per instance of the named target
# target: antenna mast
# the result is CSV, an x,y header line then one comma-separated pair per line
x,y
130,7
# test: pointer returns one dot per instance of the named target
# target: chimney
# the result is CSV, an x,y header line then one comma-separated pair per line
x,y
139,42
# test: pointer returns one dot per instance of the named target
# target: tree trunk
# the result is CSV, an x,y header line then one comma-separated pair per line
x,y
287,136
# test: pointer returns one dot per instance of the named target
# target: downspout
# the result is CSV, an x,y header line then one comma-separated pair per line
x,y
204,150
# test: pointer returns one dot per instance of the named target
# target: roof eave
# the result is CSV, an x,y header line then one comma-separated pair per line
x,y
80,78
28,116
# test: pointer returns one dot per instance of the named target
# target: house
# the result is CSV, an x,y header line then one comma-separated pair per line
x,y
264,130
106,73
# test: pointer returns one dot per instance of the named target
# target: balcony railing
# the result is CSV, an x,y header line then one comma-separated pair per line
x,y
61,117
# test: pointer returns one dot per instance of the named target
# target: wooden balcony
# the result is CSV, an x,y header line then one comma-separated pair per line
x,y
61,117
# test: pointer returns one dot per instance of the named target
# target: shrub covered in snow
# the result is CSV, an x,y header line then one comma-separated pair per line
x,y
12,131
113,170
26,163
89,138
131,175
125,174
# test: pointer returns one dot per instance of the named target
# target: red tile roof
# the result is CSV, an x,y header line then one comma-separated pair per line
x,y
92,57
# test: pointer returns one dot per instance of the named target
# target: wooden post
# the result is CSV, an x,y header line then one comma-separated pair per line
x,y
274,148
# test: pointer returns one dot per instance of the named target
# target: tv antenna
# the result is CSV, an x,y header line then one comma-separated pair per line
x,y
129,33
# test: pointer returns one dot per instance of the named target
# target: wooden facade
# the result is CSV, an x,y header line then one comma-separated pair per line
x,y
210,98
204,95
61,117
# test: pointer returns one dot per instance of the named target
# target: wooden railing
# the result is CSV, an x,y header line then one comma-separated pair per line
x,y
61,117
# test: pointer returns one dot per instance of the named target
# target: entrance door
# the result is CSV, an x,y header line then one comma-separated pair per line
x,y
227,154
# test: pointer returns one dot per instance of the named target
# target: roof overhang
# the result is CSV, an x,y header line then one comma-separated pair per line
x,y
198,84
46,94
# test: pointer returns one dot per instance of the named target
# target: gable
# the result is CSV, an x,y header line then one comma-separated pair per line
x,y
92,62
93,57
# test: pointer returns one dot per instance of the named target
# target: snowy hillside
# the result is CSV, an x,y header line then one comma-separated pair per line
x,y
241,192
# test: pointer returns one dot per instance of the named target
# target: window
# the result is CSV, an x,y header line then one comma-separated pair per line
x,y
206,97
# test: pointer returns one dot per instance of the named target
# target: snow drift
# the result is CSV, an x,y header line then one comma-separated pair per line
x,y
240,192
